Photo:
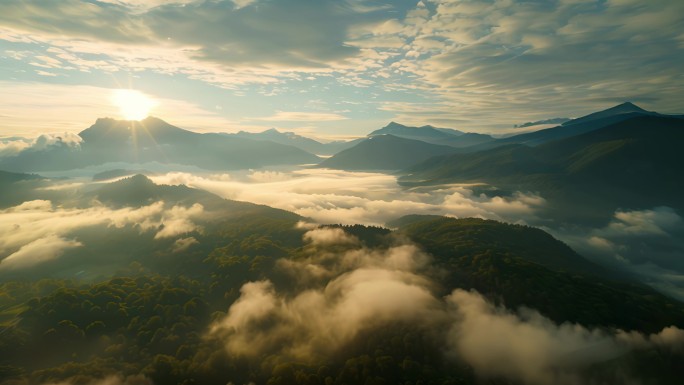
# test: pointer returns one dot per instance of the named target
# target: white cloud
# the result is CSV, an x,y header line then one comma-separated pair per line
x,y
321,320
529,348
183,244
32,227
333,196
38,251
178,220
342,292
11,147
291,116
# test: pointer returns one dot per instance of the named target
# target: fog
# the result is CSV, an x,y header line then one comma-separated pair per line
x,y
648,244
334,196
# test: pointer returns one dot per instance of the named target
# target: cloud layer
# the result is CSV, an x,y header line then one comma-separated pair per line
x,y
646,243
332,196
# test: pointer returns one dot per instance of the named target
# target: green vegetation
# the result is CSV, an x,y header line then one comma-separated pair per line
x,y
524,266
156,324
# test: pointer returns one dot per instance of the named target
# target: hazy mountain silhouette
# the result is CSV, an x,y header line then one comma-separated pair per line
x,y
385,152
18,187
581,125
139,190
633,163
299,141
152,139
434,135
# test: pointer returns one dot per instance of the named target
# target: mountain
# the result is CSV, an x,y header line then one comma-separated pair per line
x,y
630,164
429,134
385,152
287,138
140,209
524,266
581,125
153,140
18,187
424,133
291,139
139,190
620,109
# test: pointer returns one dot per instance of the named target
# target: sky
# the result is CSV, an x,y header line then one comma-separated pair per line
x,y
334,68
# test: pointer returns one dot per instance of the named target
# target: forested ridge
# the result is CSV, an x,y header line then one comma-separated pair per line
x,y
151,324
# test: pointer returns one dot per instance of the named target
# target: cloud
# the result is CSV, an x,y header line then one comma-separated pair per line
x,y
326,237
37,231
482,65
219,38
287,116
323,319
342,292
527,347
645,222
183,244
13,146
178,220
38,251
333,196
648,244
484,58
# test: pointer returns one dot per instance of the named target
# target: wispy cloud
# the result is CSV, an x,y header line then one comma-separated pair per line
x,y
483,65
291,116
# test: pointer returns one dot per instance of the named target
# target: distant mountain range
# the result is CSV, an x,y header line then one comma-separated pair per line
x,y
434,135
385,152
152,139
392,147
302,142
581,125
635,162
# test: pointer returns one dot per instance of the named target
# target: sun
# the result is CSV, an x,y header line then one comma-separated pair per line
x,y
133,105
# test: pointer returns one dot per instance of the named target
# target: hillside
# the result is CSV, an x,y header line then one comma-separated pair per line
x,y
384,152
633,163
525,266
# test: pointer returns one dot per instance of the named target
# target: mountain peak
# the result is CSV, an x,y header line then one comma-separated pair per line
x,y
110,130
627,107
616,111
394,124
